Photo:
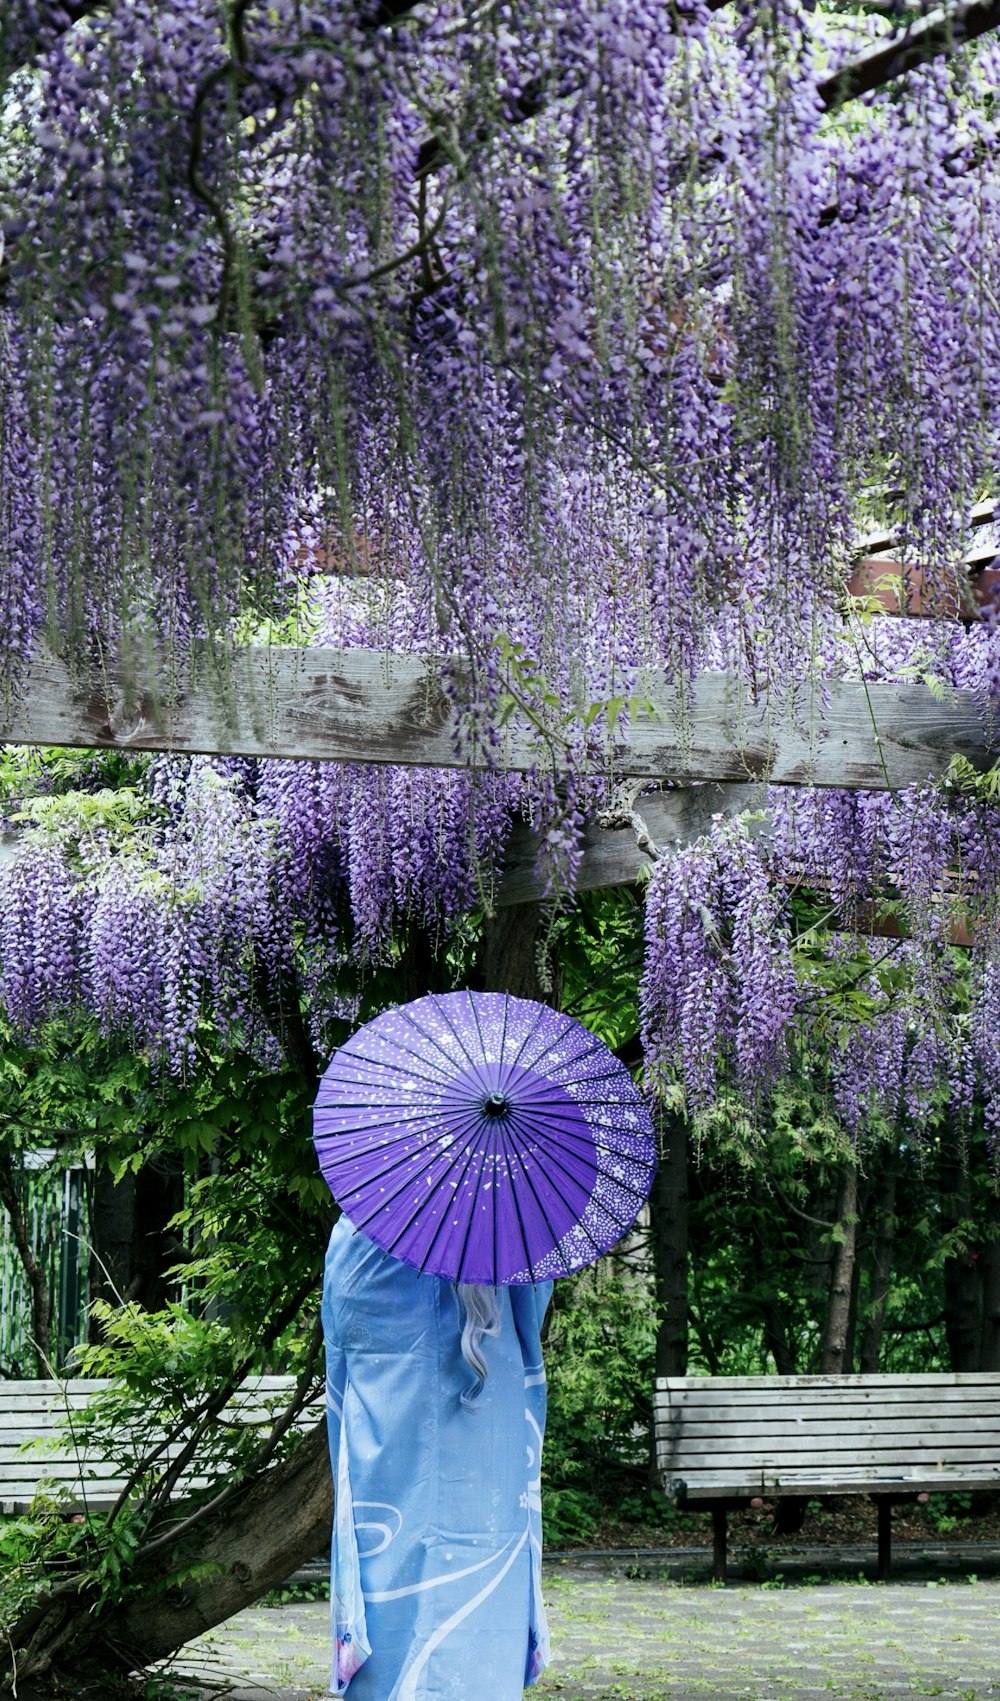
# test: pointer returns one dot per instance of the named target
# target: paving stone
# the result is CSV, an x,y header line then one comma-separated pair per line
x,y
617,1638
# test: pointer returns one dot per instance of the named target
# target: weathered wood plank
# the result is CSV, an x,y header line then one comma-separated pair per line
x,y
865,1457
737,1410
933,1381
33,1388
924,1473
888,1432
80,1390
358,706
853,1412
16,1499
831,1430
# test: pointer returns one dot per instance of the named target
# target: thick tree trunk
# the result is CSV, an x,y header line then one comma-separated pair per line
x,y
850,1353
882,1262
112,1229
668,1204
834,1354
35,1273
962,1288
130,1246
777,1337
989,1355
514,947
256,1541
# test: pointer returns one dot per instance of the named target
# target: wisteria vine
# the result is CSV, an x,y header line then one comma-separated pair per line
x,y
566,340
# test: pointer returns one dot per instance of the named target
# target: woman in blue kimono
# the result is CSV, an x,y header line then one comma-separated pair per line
x,y
436,1567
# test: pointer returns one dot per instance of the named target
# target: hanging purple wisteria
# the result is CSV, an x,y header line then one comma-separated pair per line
x,y
540,323
187,898
852,936
847,937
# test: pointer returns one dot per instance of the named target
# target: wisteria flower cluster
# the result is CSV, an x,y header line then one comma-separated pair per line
x,y
854,934
719,990
227,881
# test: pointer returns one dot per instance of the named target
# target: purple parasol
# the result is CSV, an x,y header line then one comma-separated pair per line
x,y
484,1138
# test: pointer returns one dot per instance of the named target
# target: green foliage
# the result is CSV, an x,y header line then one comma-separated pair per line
x,y
30,1544
168,1371
27,771
90,1551
530,695
165,1409
571,1515
68,1087
599,1350
599,1355
601,959
962,777
296,1594
258,1212
165,1359
650,1507
947,1512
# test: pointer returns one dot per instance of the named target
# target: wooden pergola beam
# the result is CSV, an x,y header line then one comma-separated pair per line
x,y
940,32
617,852
360,706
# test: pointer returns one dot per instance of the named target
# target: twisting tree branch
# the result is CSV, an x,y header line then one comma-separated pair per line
x,y
939,33
280,1425
201,189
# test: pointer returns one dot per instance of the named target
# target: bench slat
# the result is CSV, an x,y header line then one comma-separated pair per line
x,y
745,1403
809,1484
834,1465
827,1412
830,1440
855,1380
784,1431
91,1385
80,1391
835,1473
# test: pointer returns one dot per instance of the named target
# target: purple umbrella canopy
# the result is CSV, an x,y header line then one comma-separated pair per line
x,y
484,1138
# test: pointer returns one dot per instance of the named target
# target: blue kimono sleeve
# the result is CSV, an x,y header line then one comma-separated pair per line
x,y
347,1602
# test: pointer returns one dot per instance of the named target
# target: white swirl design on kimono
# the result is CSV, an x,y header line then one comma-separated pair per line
x,y
388,1533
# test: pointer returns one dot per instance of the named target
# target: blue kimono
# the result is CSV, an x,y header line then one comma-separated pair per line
x,y
437,1524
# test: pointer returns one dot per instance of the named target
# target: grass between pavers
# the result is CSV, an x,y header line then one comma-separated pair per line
x,y
659,1640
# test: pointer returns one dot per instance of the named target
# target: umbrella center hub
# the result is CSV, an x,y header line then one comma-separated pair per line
x,y
496,1105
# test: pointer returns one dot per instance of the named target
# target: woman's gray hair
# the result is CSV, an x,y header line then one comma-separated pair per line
x,y
480,1316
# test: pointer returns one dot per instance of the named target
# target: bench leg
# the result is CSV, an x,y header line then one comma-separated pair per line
x,y
719,1518
884,1537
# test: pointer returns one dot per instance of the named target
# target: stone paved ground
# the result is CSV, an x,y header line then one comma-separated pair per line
x,y
656,1638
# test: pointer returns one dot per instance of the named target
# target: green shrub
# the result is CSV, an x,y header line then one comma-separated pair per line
x,y
569,1515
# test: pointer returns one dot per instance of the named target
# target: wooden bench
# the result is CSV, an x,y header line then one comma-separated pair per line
x,y
38,1411
722,1441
